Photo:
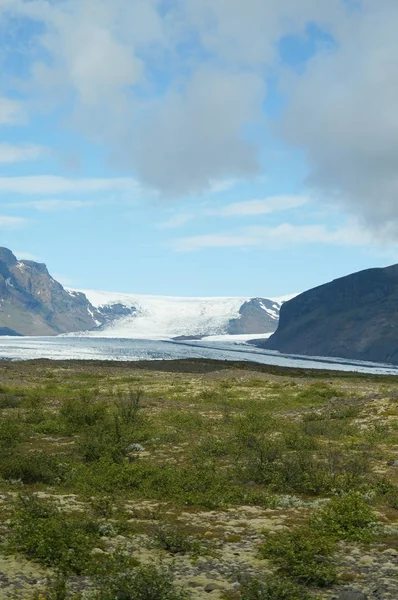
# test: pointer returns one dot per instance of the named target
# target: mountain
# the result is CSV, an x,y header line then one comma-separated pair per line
x,y
175,317
33,303
354,317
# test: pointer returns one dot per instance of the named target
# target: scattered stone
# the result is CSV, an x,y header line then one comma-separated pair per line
x,y
211,587
352,595
390,552
366,561
136,448
97,552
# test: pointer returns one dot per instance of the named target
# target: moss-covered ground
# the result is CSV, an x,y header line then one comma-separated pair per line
x,y
196,479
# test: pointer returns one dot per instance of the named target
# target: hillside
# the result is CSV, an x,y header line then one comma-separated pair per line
x,y
353,317
33,303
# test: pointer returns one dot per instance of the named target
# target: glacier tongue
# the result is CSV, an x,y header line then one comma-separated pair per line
x,y
165,317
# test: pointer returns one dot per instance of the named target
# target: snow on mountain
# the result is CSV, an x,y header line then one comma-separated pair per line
x,y
164,317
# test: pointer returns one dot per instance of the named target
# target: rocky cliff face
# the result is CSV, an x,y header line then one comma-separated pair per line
x,y
33,303
354,317
258,315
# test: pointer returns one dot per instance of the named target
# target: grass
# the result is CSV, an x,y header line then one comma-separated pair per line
x,y
120,475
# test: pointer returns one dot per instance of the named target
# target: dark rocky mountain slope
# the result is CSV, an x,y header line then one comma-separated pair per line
x,y
355,317
33,303
258,315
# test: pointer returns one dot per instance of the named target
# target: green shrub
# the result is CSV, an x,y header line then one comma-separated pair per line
x,y
348,517
46,534
102,506
105,440
327,428
9,400
273,588
330,470
174,539
317,393
56,588
10,436
79,414
391,497
122,580
302,554
192,484
34,467
128,406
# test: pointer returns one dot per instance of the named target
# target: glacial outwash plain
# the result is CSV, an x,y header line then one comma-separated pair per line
x,y
196,479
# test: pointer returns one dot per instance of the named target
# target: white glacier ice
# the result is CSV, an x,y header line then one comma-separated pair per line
x,y
165,317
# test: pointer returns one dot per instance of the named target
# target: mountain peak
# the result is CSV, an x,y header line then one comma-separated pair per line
x,y
7,257
40,267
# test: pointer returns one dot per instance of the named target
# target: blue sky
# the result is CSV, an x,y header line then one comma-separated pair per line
x,y
202,147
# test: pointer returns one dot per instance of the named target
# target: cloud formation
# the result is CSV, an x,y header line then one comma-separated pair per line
x,y
51,184
281,236
10,153
265,206
173,89
55,204
7,222
343,114
169,88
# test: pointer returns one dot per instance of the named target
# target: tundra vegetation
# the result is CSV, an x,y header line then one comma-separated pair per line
x,y
196,479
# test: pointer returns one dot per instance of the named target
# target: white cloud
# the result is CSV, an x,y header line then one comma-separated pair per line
x,y
245,33
283,235
27,256
63,280
99,61
12,222
50,184
343,113
55,204
194,136
10,153
246,208
176,221
11,111
264,206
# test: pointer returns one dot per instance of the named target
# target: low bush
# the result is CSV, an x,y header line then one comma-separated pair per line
x,y
330,470
193,484
9,400
80,413
272,588
10,436
348,517
34,467
123,580
302,554
46,534
128,406
175,539
317,393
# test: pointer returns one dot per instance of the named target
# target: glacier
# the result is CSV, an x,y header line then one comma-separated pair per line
x,y
166,317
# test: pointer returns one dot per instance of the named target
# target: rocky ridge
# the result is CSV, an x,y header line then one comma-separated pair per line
x,y
354,317
33,303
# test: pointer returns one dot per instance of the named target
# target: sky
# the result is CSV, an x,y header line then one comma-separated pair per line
x,y
199,147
